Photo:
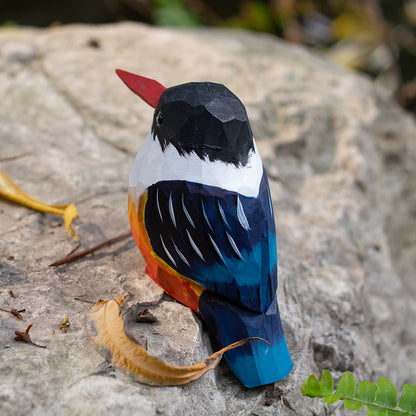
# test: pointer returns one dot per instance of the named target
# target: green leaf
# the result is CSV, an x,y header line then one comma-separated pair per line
x,y
396,413
366,392
174,13
311,387
408,399
380,400
352,405
9,23
258,16
346,386
331,398
327,382
376,411
386,393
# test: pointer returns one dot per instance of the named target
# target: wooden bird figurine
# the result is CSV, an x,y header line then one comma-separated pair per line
x,y
201,214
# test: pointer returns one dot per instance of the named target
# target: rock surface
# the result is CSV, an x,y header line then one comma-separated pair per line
x,y
341,160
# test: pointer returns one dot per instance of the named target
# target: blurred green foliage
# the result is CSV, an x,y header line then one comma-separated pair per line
x,y
377,37
173,13
253,15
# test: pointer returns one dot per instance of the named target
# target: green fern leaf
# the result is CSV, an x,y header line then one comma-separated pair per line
x,y
346,386
311,387
331,398
352,405
408,399
327,382
366,392
380,400
376,411
386,393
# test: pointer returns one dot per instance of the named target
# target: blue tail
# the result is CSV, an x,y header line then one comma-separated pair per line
x,y
255,363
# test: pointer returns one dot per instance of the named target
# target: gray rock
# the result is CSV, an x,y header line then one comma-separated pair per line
x,y
341,159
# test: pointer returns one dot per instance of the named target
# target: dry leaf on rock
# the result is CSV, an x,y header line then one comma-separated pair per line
x,y
10,191
25,337
65,324
105,325
15,312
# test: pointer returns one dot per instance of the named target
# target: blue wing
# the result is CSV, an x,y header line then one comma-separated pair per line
x,y
227,243
221,239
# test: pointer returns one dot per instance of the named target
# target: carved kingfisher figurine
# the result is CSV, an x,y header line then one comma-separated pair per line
x,y
201,214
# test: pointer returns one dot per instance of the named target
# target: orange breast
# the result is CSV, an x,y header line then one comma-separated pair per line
x,y
173,283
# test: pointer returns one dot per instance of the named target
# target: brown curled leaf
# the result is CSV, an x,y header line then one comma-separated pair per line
x,y
25,337
10,191
105,326
15,312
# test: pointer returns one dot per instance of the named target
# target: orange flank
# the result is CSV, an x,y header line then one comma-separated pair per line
x,y
173,283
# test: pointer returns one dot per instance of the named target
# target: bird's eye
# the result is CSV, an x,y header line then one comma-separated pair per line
x,y
159,118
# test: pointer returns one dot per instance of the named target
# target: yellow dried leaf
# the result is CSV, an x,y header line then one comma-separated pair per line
x,y
105,326
65,324
70,212
10,191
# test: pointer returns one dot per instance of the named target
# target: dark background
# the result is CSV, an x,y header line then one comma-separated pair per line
x,y
377,37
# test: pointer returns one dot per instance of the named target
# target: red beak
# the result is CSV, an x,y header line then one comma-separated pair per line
x,y
147,89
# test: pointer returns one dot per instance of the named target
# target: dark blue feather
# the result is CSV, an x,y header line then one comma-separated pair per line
x,y
256,362
221,239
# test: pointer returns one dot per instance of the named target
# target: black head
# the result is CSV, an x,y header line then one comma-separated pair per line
x,y
205,118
